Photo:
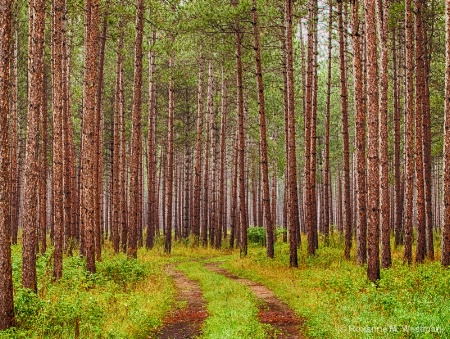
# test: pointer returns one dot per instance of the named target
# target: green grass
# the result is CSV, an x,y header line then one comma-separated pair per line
x,y
231,306
124,299
129,298
338,301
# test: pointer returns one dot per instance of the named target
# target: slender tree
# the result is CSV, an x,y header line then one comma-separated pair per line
x,y
151,148
58,9
221,226
327,205
35,94
409,134
263,137
169,175
293,215
383,11
373,258
117,156
445,258
360,131
198,156
6,284
419,7
136,138
89,176
241,133
345,135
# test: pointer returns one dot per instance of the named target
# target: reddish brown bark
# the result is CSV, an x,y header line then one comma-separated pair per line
x,y
6,284
373,209
136,136
58,8
241,135
198,157
409,134
221,226
360,131
117,173
206,186
419,91
383,8
445,257
14,146
35,101
169,175
398,227
89,176
345,135
327,205
151,149
294,222
263,138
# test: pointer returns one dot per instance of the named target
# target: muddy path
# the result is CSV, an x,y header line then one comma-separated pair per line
x,y
185,322
272,311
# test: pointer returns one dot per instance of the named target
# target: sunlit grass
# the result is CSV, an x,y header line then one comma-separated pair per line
x,y
338,301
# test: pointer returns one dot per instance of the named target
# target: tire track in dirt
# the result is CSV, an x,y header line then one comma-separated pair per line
x,y
185,322
285,323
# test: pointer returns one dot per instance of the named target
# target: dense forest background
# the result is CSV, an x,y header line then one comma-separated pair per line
x,y
205,122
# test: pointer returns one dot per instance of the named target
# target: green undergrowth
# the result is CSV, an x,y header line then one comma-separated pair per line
x,y
231,306
125,298
337,301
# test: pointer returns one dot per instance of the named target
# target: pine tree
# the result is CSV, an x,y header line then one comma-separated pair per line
x,y
35,107
373,193
6,284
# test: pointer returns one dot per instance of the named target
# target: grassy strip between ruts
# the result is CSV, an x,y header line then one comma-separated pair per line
x,y
338,301
126,298
232,307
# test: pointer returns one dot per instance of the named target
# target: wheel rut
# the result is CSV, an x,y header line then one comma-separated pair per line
x,y
185,322
284,322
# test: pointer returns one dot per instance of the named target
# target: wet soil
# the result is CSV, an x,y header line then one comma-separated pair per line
x,y
185,322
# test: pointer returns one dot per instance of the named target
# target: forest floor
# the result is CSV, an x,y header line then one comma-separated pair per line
x,y
211,293
185,321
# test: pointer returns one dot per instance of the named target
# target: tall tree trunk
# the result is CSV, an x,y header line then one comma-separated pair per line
x,y
151,148
43,175
136,141
294,222
398,227
373,258
6,284
187,170
221,227
14,146
238,35
88,179
99,140
234,203
117,156
206,207
419,7
445,257
409,137
263,138
35,107
383,9
198,156
327,199
169,175
360,131
58,9
345,136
